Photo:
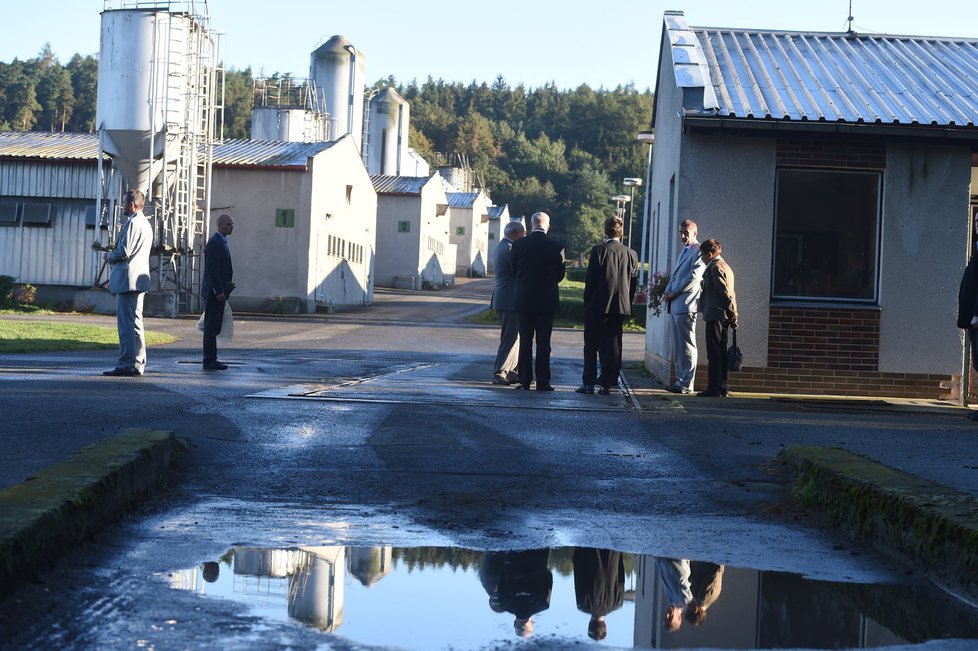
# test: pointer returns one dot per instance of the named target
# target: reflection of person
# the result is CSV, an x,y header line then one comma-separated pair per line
x,y
706,582
210,571
215,287
608,289
519,583
538,264
968,299
129,282
718,303
599,583
504,303
681,296
674,573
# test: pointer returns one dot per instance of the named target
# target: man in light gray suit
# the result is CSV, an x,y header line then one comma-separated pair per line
x,y
682,295
504,302
129,281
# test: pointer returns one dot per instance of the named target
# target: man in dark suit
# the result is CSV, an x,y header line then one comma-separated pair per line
x,y
504,303
538,264
612,272
215,288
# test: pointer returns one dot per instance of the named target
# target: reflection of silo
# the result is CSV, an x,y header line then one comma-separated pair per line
x,y
137,95
316,596
370,564
337,68
388,141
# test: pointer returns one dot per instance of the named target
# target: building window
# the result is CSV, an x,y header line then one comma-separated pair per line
x,y
460,230
826,235
8,213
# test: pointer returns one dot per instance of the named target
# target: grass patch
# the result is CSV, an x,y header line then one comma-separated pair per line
x,y
50,336
571,314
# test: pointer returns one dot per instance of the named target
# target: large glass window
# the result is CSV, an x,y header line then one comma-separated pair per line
x,y
826,235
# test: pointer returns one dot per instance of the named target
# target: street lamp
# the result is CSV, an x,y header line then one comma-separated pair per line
x,y
620,201
647,137
630,183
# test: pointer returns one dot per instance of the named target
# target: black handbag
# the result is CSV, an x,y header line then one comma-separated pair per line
x,y
735,358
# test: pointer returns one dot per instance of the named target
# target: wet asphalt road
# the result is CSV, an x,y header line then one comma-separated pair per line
x,y
378,427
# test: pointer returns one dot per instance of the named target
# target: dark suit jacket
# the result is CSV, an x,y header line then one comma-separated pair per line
x,y
968,294
612,273
599,580
504,293
217,268
538,264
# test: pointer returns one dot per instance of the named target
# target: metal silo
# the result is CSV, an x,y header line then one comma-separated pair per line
x,y
337,68
387,140
156,112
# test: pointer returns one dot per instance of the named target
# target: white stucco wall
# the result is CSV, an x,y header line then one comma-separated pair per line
x,y
926,218
398,253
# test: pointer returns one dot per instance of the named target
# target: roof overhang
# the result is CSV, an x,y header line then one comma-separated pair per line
x,y
750,126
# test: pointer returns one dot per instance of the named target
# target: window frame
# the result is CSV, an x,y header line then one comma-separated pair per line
x,y
877,244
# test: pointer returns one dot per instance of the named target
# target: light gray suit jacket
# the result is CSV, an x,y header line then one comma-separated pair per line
x,y
504,292
130,258
685,281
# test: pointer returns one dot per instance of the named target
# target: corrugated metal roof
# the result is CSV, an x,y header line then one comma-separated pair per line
x,y
44,144
386,184
84,146
834,77
461,199
267,153
495,212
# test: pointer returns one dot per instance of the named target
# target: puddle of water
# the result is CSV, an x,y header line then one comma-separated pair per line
x,y
449,598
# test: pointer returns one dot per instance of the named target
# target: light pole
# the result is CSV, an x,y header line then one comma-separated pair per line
x,y
620,201
647,137
630,183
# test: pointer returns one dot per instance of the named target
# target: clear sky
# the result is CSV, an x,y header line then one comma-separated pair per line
x,y
570,42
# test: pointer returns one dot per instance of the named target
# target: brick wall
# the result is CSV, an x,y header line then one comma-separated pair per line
x,y
829,152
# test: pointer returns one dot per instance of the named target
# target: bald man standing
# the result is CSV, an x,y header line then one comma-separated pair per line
x,y
215,288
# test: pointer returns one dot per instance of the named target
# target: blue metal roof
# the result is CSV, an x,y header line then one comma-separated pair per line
x,y
461,199
386,184
827,77
495,212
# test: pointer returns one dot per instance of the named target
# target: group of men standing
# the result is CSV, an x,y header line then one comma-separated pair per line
x,y
528,270
529,267
130,280
701,282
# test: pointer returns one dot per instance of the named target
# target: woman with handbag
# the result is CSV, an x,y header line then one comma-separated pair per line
x,y
718,304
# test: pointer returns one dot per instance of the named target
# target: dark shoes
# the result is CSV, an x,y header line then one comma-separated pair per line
x,y
522,387
675,388
711,393
545,387
585,388
500,379
604,391
215,366
122,372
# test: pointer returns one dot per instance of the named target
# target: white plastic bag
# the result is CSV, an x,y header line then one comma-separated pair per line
x,y
227,325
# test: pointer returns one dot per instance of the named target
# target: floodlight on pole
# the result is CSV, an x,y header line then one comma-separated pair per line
x,y
620,201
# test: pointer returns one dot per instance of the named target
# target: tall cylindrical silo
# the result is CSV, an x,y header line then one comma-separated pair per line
x,y
337,67
140,88
388,140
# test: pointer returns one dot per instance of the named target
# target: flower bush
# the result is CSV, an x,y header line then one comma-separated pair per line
x,y
655,289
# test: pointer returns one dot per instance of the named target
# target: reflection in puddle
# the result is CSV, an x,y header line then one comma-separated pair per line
x,y
439,598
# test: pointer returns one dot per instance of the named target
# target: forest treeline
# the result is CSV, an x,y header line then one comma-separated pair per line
x,y
562,151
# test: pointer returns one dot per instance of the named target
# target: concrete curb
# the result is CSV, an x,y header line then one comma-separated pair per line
x,y
64,504
932,525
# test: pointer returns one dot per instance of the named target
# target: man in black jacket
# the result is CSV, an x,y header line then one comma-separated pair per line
x,y
612,272
968,298
215,287
538,264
